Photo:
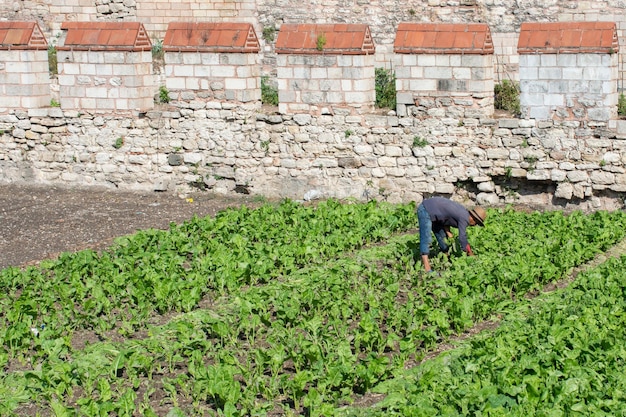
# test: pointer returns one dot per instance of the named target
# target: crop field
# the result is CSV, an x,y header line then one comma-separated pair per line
x,y
298,310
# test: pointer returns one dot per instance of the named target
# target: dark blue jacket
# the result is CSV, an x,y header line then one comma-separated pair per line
x,y
444,212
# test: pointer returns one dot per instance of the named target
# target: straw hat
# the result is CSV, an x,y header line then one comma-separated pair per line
x,y
478,214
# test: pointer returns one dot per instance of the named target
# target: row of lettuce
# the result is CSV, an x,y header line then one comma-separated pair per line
x,y
295,309
561,354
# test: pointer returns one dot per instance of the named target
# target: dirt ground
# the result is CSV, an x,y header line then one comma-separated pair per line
x,y
40,222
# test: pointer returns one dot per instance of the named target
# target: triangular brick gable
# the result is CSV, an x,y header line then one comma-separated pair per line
x,y
21,35
443,38
568,38
211,37
105,36
333,39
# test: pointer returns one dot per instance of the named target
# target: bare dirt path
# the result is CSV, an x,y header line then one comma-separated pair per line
x,y
40,222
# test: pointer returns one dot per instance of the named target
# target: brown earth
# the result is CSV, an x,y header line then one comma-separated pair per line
x,y
40,222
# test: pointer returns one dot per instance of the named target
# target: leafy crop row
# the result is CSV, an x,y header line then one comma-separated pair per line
x,y
327,320
561,354
173,270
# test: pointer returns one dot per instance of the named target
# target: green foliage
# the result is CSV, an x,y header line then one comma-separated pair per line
x,y
507,97
419,142
559,354
54,103
164,94
385,83
317,304
119,142
621,105
157,49
320,42
269,93
52,60
268,33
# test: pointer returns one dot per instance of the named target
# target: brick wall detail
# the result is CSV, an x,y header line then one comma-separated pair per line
x,y
105,66
569,71
325,69
24,69
212,61
444,68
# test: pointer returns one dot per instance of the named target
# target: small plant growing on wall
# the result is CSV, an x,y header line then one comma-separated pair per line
x,y
268,33
385,84
621,105
506,97
158,55
157,49
321,42
54,103
265,145
52,60
419,142
164,95
269,93
119,142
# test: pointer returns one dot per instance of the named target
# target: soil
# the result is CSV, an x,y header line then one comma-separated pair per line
x,y
41,222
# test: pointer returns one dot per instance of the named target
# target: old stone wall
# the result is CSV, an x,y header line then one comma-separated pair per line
x,y
228,148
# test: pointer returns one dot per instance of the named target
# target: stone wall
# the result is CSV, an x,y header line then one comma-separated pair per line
x,y
239,148
321,84
24,79
569,86
216,76
105,81
464,82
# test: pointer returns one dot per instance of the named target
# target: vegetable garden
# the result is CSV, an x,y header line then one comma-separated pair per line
x,y
300,310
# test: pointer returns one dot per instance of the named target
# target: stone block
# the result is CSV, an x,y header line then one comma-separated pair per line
x,y
564,190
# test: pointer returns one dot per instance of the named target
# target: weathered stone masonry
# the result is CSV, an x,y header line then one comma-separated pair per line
x,y
230,148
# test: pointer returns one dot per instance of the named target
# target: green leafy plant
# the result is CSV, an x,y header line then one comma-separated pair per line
x,y
54,103
119,142
318,304
269,93
52,60
265,145
385,84
164,94
419,142
506,97
621,105
268,33
157,49
320,42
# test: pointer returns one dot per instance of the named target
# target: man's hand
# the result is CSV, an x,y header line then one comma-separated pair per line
x,y
468,250
448,232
